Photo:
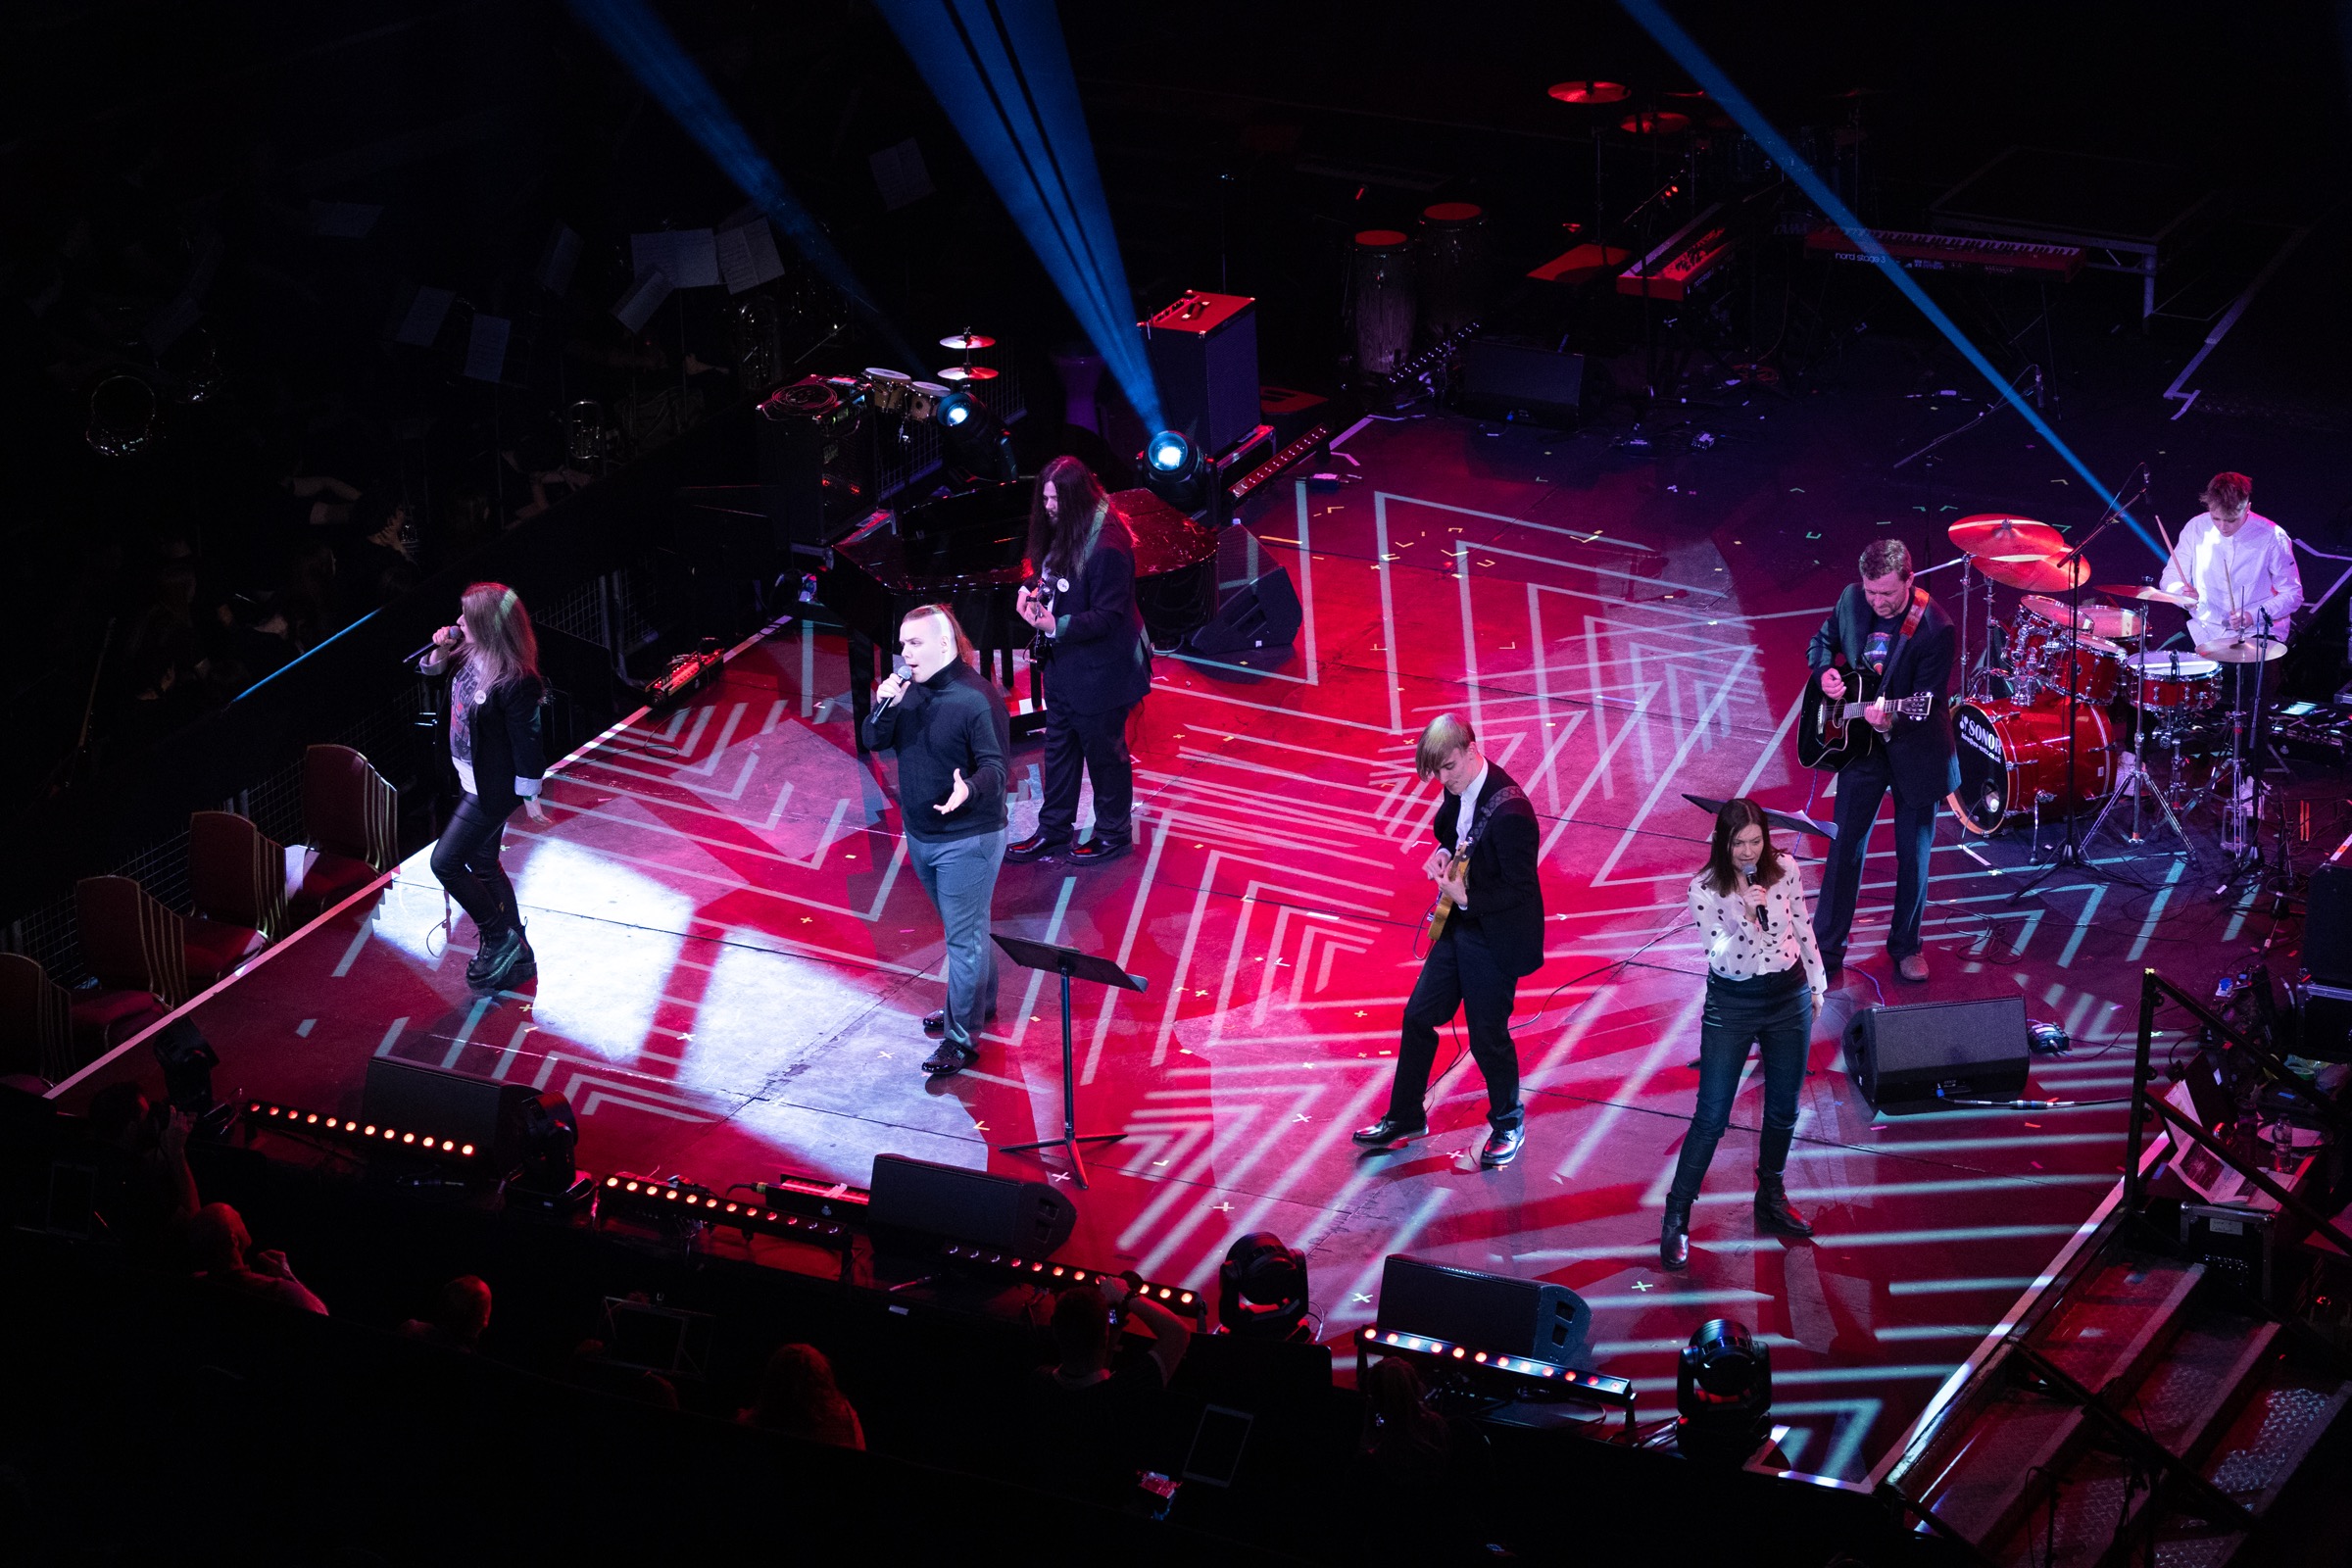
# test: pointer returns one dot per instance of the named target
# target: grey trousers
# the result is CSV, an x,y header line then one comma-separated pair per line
x,y
960,877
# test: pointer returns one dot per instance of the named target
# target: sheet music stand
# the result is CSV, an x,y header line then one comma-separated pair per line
x,y
1070,964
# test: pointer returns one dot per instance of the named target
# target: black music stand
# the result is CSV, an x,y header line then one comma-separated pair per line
x,y
1785,821
1070,964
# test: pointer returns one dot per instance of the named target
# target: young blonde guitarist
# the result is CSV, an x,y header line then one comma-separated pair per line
x,y
1486,935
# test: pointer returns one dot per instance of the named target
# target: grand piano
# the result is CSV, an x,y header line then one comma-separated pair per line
x,y
969,552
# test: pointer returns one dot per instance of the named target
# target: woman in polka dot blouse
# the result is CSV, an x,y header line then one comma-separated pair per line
x,y
1764,980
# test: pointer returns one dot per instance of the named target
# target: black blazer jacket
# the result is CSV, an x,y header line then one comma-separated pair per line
x,y
1100,660
1919,751
508,759
1506,902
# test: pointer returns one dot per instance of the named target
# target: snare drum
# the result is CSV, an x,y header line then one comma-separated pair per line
x,y
2011,755
889,392
923,399
2041,650
2165,682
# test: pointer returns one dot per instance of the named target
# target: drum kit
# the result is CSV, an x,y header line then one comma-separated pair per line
x,y
2130,700
907,402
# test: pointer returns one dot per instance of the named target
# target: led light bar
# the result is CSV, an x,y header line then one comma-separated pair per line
x,y
1175,1298
677,1196
1602,1386
407,1140
811,1195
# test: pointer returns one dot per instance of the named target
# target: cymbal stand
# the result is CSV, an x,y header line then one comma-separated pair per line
x,y
2241,827
1966,581
2138,776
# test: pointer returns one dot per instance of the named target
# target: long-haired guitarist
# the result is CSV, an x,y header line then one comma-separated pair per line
x,y
1488,935
1885,640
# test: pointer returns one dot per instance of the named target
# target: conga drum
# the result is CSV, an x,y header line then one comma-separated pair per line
x,y
1379,300
1452,268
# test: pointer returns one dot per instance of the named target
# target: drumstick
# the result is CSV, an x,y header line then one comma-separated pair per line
x,y
2160,534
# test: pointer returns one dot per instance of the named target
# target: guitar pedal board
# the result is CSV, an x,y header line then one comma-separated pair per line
x,y
2317,732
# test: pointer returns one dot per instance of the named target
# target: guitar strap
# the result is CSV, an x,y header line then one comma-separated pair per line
x,y
1486,809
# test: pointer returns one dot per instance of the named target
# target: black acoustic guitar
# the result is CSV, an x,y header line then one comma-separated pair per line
x,y
1830,734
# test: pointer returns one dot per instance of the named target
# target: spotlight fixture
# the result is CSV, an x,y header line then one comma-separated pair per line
x,y
1723,1388
187,1060
974,442
1173,471
547,1137
1169,454
1262,1289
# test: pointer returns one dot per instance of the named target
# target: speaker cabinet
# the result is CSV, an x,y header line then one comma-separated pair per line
x,y
1264,614
1509,375
1492,1313
2327,925
792,426
1027,1219
412,1097
1204,353
1905,1059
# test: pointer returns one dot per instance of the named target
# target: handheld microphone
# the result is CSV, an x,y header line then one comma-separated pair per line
x,y
1757,909
457,626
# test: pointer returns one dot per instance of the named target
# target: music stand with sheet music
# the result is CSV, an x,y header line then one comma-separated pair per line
x,y
1070,964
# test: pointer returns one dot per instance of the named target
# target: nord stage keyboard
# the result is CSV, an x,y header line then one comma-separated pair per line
x,y
1940,253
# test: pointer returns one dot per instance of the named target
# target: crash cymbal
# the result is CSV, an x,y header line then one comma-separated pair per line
x,y
1996,533
1590,92
2253,650
2035,572
1654,123
968,373
2153,596
968,341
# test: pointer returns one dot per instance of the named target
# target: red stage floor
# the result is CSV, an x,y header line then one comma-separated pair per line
x,y
734,957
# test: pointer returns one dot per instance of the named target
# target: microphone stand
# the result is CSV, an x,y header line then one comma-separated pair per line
x,y
2070,854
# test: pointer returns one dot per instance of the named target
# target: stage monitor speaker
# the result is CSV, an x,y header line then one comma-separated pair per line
x,y
1508,375
1264,614
1492,1313
1204,353
1908,1059
481,1111
2327,925
1027,1219
792,424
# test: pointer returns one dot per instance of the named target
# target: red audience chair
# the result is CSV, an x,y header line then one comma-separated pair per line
x,y
36,1021
237,876
137,951
348,811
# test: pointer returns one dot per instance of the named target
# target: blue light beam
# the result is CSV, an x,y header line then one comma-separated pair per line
x,y
653,55
1675,41
1001,72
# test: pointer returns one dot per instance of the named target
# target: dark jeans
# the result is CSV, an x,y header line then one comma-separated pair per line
x,y
467,862
1100,740
1864,783
1784,1026
1459,973
960,875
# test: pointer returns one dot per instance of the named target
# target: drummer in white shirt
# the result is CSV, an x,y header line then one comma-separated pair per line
x,y
2238,567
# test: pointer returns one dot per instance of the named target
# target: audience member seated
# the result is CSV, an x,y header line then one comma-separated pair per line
x,y
224,1254
144,1191
1101,1423
460,1315
799,1397
1412,1470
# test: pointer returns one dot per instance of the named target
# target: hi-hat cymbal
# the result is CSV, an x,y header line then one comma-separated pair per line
x,y
968,373
2153,596
966,341
2256,651
1654,123
1996,533
2035,572
1590,92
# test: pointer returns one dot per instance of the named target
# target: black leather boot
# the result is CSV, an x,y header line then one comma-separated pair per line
x,y
1773,1210
1674,1238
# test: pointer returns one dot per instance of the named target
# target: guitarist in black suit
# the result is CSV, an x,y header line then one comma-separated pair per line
x,y
1492,939
1889,637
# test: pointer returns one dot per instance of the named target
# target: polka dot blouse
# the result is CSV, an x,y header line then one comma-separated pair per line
x,y
1739,949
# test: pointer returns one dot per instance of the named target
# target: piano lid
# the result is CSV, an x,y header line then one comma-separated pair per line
x,y
980,538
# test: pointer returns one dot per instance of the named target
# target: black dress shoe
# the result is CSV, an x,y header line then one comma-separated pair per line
x,y
1674,1238
936,1023
1036,847
1773,1211
1097,850
1502,1146
949,1059
1390,1132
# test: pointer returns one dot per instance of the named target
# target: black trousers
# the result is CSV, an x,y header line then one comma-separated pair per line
x,y
1459,973
1863,784
467,862
1098,740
